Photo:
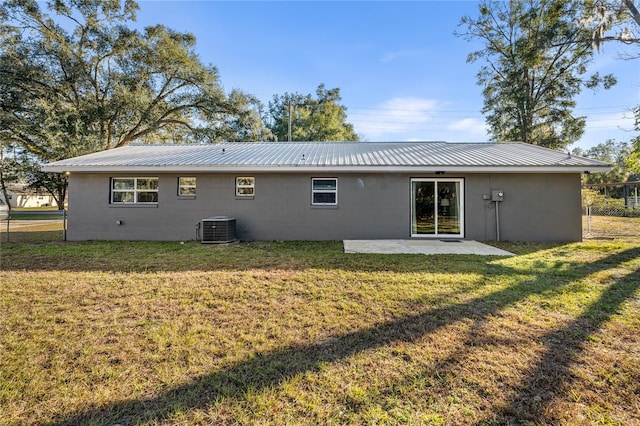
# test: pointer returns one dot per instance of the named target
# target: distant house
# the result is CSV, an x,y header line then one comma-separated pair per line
x,y
327,191
21,196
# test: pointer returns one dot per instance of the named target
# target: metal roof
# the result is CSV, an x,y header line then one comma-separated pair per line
x,y
330,156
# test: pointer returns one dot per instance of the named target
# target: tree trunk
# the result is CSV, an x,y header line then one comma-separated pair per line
x,y
5,194
62,192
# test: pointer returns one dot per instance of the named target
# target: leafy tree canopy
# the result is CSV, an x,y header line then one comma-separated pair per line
x,y
633,158
77,79
312,119
617,21
614,153
535,59
611,21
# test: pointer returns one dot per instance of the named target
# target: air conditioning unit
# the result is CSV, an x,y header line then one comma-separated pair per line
x,y
218,229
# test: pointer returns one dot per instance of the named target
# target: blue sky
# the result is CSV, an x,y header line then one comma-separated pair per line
x,y
402,73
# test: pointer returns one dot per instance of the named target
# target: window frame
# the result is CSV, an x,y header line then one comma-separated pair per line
x,y
239,186
315,191
182,186
136,191
458,205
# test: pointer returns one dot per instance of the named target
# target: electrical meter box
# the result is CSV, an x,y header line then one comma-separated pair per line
x,y
497,195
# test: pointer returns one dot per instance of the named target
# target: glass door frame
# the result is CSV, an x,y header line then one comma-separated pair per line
x,y
461,210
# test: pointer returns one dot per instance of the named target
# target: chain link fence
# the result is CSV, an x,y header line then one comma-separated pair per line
x,y
609,222
611,211
34,226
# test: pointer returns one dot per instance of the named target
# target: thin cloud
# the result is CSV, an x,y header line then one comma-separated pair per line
x,y
415,119
470,126
393,117
399,54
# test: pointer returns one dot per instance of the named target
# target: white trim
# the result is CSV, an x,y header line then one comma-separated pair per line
x,y
461,207
194,186
252,186
134,190
324,191
322,169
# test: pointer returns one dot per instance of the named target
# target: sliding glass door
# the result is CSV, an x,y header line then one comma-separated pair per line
x,y
437,207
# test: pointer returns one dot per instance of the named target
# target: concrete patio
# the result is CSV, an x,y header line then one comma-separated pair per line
x,y
440,246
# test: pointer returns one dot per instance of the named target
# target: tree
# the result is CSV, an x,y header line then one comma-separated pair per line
x,y
633,160
77,80
617,21
9,171
54,183
247,125
536,56
82,81
312,119
611,21
18,165
612,152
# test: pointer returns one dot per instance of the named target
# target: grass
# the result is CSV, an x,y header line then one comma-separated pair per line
x,y
611,226
36,231
36,216
36,213
301,333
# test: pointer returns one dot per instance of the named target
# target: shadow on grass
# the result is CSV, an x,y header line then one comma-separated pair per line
x,y
551,376
269,369
18,237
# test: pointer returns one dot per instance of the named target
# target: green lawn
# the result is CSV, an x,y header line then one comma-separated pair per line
x,y
301,333
39,213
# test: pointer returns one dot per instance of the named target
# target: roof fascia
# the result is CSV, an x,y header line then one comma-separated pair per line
x,y
324,169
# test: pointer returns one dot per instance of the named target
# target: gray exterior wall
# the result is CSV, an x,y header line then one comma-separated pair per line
x,y
536,207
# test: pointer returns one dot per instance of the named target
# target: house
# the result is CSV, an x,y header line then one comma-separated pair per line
x,y
21,196
328,191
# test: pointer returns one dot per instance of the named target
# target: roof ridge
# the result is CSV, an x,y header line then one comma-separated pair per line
x,y
316,143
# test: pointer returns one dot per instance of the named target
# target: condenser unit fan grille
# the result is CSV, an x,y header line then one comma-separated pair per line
x,y
218,229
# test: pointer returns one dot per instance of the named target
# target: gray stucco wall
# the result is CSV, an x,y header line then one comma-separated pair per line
x,y
537,207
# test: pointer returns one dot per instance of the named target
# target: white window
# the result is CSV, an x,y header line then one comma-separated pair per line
x,y
186,186
138,190
245,186
324,191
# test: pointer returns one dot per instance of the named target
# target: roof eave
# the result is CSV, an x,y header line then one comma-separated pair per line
x,y
306,168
